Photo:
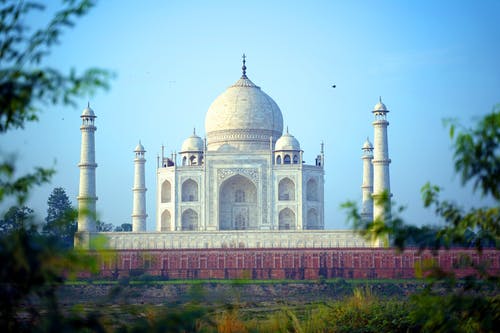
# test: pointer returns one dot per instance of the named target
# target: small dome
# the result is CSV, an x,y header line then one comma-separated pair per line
x,y
287,142
380,107
88,112
139,148
367,145
193,143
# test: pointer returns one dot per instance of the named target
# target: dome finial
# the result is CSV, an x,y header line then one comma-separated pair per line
x,y
380,99
194,131
244,68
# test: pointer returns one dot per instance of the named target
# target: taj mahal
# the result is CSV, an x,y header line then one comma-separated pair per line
x,y
243,185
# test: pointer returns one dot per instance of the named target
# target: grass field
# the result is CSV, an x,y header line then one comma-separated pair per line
x,y
335,305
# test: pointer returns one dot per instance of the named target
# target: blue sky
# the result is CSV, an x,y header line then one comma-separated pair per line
x,y
429,60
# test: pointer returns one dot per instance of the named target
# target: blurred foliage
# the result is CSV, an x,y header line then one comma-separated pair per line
x,y
477,153
34,265
20,187
455,313
15,218
26,84
465,306
477,160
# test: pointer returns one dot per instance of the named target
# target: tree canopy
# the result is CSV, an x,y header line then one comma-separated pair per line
x,y
60,222
33,266
465,306
16,218
124,227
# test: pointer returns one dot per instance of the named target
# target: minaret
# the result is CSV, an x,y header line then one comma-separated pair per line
x,y
367,186
87,192
381,161
139,207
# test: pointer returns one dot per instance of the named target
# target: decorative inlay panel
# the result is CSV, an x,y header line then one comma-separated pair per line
x,y
252,173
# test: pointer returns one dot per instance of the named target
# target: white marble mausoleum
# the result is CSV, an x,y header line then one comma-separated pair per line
x,y
244,184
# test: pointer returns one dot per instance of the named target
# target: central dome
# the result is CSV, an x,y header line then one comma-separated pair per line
x,y
243,118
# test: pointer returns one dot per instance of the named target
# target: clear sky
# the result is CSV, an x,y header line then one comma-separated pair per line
x,y
429,60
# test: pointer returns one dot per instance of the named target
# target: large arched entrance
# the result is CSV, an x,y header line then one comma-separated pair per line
x,y
238,204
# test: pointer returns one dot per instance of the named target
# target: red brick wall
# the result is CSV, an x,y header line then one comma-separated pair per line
x,y
286,263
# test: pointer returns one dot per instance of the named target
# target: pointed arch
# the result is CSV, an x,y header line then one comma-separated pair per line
x,y
312,219
189,191
286,159
286,219
166,191
166,221
238,204
286,189
312,190
278,159
189,220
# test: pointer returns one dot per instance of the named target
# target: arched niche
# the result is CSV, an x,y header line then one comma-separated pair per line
x,y
189,191
312,219
286,189
286,219
189,220
166,221
166,191
312,190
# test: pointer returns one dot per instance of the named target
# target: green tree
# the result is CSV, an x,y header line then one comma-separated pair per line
x,y
15,218
103,226
33,266
124,227
60,222
476,153
468,306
